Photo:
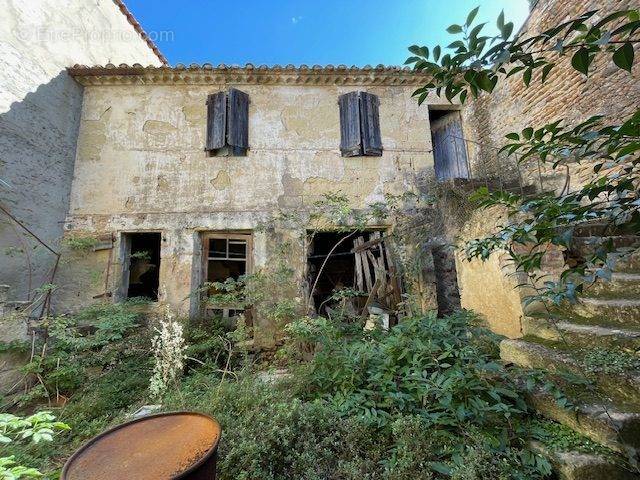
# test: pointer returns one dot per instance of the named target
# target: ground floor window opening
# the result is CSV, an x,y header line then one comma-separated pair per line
x,y
226,256
142,264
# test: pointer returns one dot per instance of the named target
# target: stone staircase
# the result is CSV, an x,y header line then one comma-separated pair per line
x,y
591,351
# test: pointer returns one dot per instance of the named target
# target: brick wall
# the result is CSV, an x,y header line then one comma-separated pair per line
x,y
566,94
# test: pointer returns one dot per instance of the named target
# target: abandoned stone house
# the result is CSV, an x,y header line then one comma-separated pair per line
x,y
122,176
186,163
172,172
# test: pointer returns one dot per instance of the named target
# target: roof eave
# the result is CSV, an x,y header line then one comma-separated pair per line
x,y
138,28
248,74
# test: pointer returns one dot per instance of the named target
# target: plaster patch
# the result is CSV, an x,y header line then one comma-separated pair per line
x,y
156,127
194,113
221,181
163,184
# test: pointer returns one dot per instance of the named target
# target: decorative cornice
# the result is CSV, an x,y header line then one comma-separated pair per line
x,y
138,28
208,74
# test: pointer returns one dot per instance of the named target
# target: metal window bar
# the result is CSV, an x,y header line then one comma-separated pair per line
x,y
498,168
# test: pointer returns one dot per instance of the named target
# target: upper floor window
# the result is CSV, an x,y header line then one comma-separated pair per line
x,y
228,123
360,125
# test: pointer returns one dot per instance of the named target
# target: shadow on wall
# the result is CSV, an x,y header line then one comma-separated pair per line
x,y
38,138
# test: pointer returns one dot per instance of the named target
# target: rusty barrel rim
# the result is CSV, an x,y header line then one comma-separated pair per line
x,y
97,438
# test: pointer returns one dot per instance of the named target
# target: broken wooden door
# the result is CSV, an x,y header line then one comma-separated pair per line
x,y
376,272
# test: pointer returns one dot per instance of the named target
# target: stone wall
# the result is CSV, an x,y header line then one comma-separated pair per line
x,y
566,94
489,288
39,117
141,166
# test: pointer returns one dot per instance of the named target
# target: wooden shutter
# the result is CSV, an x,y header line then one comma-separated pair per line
x,y
370,121
216,121
238,134
350,139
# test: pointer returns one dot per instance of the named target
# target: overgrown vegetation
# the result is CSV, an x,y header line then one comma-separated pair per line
x,y
80,243
425,400
36,428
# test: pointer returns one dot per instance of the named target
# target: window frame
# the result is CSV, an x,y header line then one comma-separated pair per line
x,y
228,236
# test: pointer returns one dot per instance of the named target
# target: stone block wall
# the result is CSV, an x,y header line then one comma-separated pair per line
x,y
490,287
40,115
566,94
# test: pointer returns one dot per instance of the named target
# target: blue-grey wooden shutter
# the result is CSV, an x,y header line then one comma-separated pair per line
x,y
216,121
238,125
370,124
350,138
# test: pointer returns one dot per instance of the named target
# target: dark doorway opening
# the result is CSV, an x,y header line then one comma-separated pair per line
x,y
338,272
144,264
447,291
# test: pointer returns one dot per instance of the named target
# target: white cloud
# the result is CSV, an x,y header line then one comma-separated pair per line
x,y
297,19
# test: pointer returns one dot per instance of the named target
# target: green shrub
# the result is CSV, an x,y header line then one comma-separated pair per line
x,y
82,345
80,243
425,400
425,375
439,369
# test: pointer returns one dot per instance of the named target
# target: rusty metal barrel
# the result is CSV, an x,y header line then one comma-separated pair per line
x,y
166,446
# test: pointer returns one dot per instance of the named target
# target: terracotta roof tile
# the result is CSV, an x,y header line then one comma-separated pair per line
x,y
208,73
138,28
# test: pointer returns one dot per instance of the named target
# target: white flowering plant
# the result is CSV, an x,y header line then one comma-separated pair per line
x,y
168,347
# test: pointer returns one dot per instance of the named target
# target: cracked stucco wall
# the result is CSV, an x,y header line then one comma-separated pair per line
x,y
141,166
40,114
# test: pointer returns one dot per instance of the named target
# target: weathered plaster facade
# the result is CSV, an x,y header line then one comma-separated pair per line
x,y
39,117
141,164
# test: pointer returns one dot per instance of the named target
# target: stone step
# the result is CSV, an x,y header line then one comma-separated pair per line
x,y
629,264
599,421
627,258
623,388
625,311
579,335
584,466
621,285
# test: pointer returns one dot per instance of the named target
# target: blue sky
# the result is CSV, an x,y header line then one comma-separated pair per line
x,y
352,32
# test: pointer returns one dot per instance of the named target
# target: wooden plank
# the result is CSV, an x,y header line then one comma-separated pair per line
x,y
372,294
350,136
389,255
216,121
374,263
367,245
370,124
366,269
397,289
359,280
382,257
